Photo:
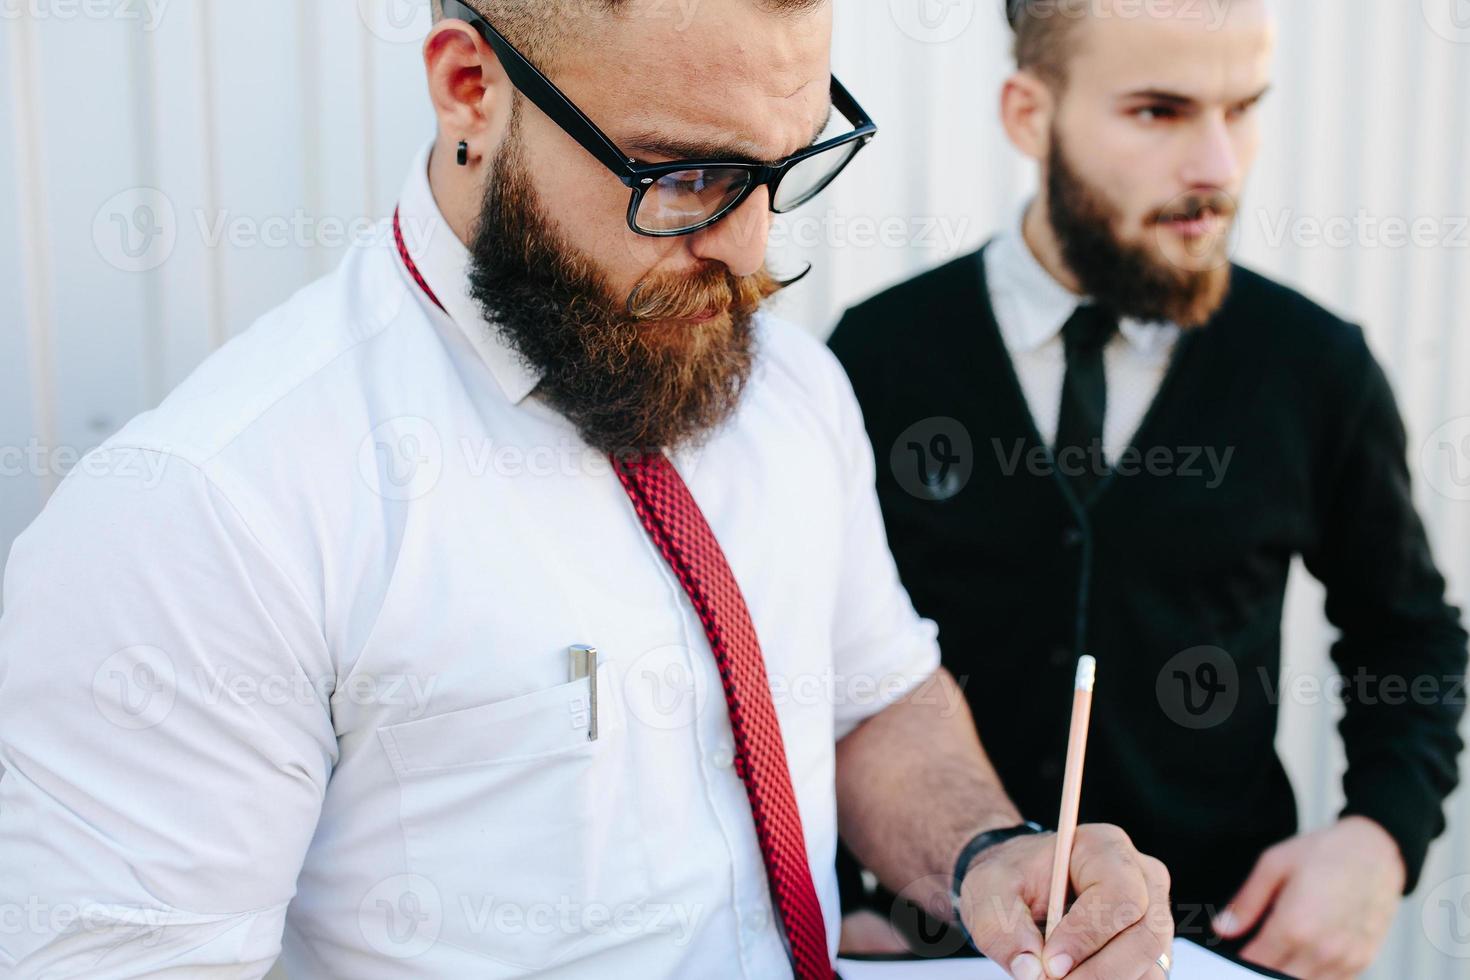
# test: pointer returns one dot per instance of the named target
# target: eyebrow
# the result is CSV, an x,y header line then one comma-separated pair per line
x,y
678,149
1159,95
1176,99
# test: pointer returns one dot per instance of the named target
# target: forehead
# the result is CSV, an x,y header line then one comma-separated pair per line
x,y
725,72
1204,49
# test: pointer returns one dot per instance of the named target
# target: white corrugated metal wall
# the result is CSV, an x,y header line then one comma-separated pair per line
x,y
176,167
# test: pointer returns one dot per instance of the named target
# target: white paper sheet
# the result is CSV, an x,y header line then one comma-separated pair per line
x,y
1191,962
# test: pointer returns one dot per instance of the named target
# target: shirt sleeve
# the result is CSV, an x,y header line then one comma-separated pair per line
x,y
883,648
1402,651
165,735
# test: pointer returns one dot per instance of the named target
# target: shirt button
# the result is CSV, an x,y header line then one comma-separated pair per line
x,y
1050,769
1060,656
1072,537
724,757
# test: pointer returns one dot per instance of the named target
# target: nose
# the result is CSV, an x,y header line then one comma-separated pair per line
x,y
1213,160
738,240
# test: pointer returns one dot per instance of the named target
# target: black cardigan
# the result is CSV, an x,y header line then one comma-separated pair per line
x,y
1275,434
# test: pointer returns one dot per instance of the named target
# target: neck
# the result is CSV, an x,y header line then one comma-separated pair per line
x,y
1041,239
456,189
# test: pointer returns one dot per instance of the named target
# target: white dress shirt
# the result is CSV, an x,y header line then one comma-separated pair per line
x,y
284,664
1031,308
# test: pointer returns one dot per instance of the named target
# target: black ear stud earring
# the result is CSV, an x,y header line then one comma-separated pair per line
x,y
464,154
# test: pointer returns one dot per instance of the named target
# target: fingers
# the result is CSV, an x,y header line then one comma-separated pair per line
x,y
1000,917
1160,918
1312,966
1116,930
1267,879
1003,927
1271,947
1326,903
1114,893
1133,953
1292,942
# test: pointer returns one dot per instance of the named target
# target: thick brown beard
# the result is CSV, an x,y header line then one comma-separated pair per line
x,y
633,375
1128,278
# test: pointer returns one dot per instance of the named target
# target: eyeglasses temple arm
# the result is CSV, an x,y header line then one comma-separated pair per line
x,y
545,95
844,102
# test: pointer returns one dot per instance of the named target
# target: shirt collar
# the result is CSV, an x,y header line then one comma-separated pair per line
x,y
1041,306
444,262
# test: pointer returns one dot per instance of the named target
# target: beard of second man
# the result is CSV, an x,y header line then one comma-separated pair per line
x,y
1132,279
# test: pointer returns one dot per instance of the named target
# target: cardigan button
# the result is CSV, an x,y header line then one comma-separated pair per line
x,y
1060,656
1073,537
1050,768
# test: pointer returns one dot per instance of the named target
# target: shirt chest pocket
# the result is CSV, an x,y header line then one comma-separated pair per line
x,y
524,827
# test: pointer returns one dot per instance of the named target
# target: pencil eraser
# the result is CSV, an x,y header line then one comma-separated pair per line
x,y
1086,673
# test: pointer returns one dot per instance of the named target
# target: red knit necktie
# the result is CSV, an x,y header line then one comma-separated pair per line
x,y
673,519
676,524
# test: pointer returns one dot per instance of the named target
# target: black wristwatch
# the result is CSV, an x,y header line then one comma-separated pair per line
x,y
983,842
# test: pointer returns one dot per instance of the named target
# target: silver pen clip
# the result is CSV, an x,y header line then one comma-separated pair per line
x,y
584,664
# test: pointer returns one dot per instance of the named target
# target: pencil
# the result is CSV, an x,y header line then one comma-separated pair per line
x,y
1071,791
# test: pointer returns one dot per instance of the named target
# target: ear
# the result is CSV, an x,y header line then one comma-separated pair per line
x,y
468,87
1027,107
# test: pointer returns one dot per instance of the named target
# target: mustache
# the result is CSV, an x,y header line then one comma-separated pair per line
x,y
712,289
1191,207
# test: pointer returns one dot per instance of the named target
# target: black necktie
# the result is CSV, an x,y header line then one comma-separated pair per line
x,y
1084,398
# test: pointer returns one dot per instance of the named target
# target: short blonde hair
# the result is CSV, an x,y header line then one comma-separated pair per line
x,y
1046,35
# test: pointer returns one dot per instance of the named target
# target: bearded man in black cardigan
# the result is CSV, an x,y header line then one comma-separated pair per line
x,y
1104,438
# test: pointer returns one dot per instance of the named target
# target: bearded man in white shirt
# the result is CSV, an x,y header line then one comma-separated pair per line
x,y
307,687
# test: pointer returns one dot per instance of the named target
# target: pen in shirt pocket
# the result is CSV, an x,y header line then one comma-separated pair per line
x,y
584,664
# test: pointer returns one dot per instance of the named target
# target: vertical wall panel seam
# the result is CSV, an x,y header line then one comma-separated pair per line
x,y
144,52
214,260
311,127
369,127
1419,59
1350,283
35,242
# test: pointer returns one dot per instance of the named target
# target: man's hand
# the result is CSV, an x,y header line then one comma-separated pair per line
x,y
1331,896
1116,929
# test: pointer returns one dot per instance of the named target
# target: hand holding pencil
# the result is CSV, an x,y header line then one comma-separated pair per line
x,y
1120,923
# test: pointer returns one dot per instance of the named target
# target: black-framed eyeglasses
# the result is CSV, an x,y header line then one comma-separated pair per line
x,y
681,197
